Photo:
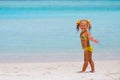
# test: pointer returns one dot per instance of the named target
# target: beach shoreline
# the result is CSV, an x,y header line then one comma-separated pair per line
x,y
63,57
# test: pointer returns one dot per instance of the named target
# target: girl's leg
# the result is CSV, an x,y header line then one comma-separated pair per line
x,y
86,59
91,62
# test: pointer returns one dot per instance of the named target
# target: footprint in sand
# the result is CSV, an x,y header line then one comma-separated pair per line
x,y
51,68
47,73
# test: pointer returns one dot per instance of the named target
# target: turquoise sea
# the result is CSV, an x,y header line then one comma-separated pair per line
x,y
45,30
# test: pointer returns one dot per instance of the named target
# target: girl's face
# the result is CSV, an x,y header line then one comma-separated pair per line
x,y
83,25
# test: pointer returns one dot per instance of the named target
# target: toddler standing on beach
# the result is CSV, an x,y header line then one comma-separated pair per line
x,y
85,37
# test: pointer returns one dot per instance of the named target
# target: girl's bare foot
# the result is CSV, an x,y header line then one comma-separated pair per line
x,y
92,71
82,71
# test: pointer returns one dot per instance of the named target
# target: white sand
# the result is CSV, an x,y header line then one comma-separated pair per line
x,y
105,70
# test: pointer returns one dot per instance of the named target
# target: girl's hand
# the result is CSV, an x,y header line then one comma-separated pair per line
x,y
95,41
92,39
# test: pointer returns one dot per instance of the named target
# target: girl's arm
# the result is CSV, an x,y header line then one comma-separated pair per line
x,y
92,39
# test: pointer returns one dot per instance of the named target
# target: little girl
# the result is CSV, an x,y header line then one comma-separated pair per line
x,y
85,37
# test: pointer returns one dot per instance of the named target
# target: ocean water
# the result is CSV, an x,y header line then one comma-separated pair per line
x,y
39,29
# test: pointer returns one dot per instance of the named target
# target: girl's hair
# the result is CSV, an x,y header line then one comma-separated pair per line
x,y
78,24
77,27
